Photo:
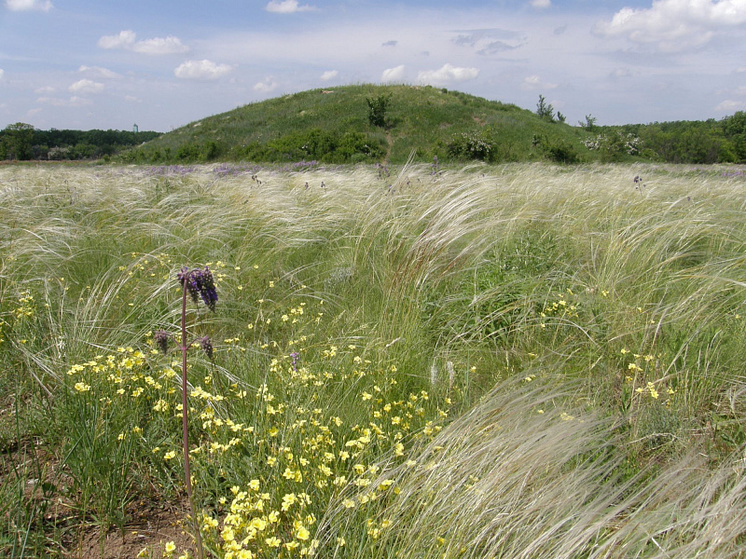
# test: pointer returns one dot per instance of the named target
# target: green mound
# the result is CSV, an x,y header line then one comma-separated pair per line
x,y
370,123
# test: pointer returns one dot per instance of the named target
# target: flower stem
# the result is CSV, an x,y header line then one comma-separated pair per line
x,y
185,422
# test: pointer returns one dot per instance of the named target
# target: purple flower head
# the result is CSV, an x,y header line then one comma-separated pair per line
x,y
206,346
185,276
294,357
161,338
200,283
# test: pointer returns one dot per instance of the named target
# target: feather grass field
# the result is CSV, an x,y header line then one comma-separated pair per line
x,y
491,361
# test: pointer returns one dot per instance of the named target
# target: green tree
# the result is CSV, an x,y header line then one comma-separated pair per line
x,y
589,124
377,108
545,110
734,128
18,139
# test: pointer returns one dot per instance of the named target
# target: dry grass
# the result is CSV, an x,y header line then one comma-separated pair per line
x,y
587,327
530,472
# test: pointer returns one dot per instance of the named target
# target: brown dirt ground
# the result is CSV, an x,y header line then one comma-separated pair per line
x,y
151,523
155,525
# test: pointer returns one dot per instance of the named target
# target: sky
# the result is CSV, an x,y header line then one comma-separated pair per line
x,y
161,64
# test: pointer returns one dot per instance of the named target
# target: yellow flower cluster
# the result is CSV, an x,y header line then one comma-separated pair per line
x,y
307,454
26,306
259,524
640,370
303,452
565,307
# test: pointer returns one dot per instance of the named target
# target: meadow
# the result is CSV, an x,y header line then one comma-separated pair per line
x,y
507,361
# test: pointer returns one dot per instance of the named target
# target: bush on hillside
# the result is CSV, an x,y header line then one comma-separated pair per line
x,y
614,146
477,145
377,107
557,151
318,145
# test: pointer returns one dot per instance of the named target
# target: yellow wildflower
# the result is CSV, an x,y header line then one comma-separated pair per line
x,y
273,541
82,387
301,532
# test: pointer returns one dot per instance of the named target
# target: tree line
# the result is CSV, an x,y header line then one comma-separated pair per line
x,y
699,142
23,142
702,142
696,142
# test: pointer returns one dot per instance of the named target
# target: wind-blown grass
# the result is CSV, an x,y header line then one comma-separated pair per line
x,y
512,361
518,476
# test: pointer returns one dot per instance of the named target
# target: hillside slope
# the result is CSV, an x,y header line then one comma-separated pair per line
x,y
334,125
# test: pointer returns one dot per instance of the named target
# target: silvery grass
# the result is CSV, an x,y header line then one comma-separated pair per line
x,y
437,269
531,472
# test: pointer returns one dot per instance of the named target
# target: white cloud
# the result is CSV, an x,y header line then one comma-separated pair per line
x,y
74,101
28,5
393,74
490,41
287,7
534,82
730,106
447,74
541,4
128,40
98,72
86,86
268,85
124,40
619,73
160,45
329,75
201,70
733,92
2,72
674,25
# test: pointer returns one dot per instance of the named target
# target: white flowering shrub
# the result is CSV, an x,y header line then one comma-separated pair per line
x,y
615,145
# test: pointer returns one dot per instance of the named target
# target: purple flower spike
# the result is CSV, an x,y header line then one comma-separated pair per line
x,y
207,289
207,346
161,338
200,283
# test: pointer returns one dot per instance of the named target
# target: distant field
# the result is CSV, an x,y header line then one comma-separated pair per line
x,y
519,361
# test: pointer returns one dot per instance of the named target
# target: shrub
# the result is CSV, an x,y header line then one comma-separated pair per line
x,y
319,145
477,145
377,107
615,146
558,151
562,153
188,152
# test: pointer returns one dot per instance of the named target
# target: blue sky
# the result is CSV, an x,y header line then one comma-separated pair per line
x,y
161,64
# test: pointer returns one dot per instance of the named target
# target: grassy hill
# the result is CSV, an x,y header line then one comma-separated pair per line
x,y
334,126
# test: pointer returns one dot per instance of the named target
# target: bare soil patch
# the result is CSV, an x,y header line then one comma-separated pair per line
x,y
152,526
